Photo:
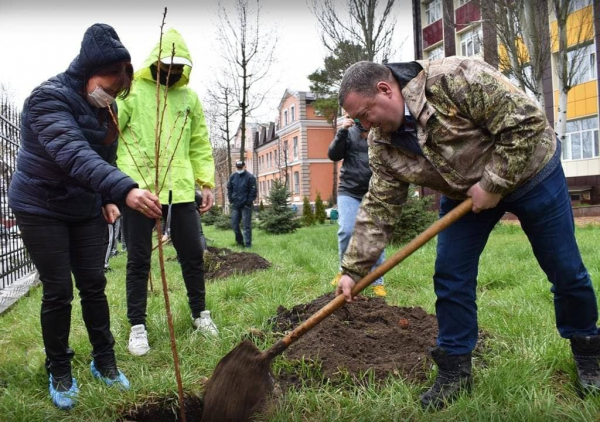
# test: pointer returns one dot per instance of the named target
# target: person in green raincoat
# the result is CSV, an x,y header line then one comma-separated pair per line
x,y
185,159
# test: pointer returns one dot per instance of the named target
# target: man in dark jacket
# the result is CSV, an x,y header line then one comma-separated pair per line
x,y
241,192
350,145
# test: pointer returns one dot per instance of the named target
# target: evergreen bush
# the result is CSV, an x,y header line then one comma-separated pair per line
x,y
279,218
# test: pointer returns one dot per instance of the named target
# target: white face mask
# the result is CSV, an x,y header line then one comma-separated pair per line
x,y
240,171
99,98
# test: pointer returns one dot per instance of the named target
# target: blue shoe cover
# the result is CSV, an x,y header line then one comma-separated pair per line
x,y
64,400
121,381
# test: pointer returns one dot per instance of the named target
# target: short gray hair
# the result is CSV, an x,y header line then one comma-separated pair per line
x,y
362,78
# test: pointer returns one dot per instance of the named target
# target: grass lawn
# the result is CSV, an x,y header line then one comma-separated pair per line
x,y
525,374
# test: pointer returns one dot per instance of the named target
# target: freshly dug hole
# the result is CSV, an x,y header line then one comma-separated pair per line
x,y
164,409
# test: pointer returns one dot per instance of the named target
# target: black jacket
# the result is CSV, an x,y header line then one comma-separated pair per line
x,y
241,189
355,173
64,167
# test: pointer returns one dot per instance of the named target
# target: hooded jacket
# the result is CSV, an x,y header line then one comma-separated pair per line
x,y
184,143
354,150
64,166
473,125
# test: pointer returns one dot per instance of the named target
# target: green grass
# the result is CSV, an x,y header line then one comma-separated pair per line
x,y
525,374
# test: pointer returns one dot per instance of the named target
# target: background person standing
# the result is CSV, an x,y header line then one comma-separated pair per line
x,y
241,192
350,145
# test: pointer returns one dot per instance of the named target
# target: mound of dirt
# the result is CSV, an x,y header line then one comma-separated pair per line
x,y
223,262
365,335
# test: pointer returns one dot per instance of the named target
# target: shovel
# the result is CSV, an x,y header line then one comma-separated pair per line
x,y
242,379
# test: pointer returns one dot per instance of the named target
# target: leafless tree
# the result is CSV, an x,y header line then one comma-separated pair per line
x,y
213,113
570,62
248,48
224,107
522,30
283,160
368,23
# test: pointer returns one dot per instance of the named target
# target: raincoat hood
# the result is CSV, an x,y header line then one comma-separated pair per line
x,y
170,38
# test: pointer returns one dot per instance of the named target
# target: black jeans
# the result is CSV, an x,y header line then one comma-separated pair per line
x,y
57,249
243,214
185,235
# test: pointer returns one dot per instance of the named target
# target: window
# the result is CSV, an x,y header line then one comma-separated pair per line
x,y
581,140
296,183
585,63
433,11
295,147
285,153
578,4
471,42
436,53
276,159
285,117
293,113
462,2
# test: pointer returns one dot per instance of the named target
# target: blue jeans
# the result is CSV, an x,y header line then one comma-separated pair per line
x,y
547,219
347,210
244,214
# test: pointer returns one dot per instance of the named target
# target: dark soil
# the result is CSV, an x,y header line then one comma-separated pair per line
x,y
366,335
164,409
223,262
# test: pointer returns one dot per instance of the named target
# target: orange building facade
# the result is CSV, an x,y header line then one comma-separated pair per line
x,y
294,149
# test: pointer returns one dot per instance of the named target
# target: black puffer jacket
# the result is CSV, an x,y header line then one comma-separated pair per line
x,y
355,173
64,167
241,189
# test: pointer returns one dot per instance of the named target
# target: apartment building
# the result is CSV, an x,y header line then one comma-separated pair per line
x,y
445,28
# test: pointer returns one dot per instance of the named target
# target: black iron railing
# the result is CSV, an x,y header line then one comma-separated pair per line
x,y
14,260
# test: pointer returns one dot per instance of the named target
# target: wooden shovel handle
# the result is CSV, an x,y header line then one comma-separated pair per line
x,y
389,263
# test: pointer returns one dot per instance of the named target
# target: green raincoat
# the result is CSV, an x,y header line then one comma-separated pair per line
x,y
184,143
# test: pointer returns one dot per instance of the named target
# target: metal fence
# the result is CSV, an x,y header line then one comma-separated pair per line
x,y
14,260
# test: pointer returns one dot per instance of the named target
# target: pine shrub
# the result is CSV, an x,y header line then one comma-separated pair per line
x,y
320,214
279,218
416,217
308,217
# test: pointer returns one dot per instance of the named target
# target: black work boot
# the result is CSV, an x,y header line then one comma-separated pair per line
x,y
454,375
586,351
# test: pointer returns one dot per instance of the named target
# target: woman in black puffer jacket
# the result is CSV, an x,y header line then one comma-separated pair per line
x,y
64,192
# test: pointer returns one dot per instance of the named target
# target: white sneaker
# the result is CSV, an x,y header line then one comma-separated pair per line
x,y
205,324
138,340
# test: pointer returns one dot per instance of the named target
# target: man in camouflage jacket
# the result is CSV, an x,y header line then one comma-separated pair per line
x,y
460,127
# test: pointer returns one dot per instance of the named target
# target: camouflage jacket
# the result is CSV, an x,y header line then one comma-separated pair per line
x,y
473,125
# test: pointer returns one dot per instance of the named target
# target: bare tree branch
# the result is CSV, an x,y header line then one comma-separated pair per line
x,y
248,48
364,22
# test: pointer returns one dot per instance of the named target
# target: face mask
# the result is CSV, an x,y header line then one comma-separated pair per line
x,y
173,78
99,98
240,171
